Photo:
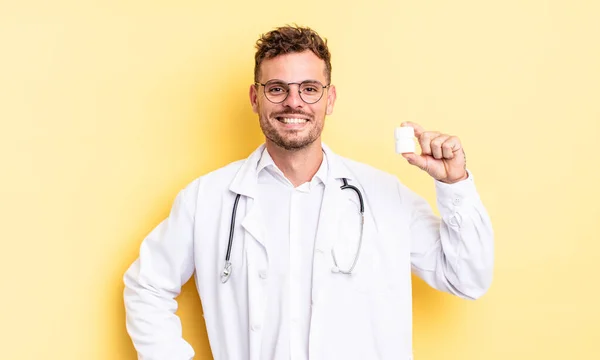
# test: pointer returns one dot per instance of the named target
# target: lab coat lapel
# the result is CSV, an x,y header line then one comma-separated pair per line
x,y
329,218
245,183
254,222
327,232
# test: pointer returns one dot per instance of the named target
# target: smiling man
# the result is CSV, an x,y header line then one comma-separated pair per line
x,y
304,113
289,106
299,253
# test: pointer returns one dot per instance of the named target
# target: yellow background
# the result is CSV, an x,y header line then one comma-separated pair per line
x,y
108,108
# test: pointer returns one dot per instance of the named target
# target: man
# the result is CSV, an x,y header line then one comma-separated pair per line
x,y
290,261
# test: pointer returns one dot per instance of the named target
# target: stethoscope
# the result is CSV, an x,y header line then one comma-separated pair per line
x,y
336,269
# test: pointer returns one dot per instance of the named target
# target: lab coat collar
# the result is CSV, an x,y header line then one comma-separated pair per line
x,y
337,166
245,181
267,165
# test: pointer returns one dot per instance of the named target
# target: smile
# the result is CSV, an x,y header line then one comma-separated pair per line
x,y
291,120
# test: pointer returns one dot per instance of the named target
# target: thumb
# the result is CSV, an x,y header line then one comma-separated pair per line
x,y
416,160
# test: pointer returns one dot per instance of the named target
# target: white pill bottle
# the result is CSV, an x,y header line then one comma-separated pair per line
x,y
405,139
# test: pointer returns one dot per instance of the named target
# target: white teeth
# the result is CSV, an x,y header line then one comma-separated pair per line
x,y
293,121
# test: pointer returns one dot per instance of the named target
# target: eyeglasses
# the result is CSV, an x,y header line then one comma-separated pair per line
x,y
276,91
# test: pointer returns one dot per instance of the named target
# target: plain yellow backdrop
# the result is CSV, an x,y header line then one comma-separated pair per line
x,y
108,108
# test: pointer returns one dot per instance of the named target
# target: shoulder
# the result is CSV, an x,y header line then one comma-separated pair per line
x,y
369,174
382,186
215,181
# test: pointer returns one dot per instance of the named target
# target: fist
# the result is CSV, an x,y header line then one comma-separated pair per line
x,y
442,155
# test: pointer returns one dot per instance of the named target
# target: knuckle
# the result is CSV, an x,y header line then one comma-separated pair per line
x,y
437,142
428,135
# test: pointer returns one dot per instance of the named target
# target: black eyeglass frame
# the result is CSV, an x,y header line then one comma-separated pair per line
x,y
289,89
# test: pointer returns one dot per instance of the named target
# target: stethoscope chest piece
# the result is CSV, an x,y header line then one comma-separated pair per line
x,y
226,272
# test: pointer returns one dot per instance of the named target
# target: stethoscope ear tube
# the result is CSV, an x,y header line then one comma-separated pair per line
x,y
336,269
360,198
227,268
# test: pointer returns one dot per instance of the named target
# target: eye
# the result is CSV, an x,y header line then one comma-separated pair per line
x,y
276,89
311,88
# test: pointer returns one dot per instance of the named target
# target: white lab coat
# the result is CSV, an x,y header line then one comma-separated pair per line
x,y
367,315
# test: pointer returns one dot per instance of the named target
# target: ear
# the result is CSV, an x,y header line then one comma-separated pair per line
x,y
331,94
253,98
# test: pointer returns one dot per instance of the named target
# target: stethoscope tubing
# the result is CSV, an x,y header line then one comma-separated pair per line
x,y
227,269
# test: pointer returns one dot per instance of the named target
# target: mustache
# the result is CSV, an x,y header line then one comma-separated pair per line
x,y
290,113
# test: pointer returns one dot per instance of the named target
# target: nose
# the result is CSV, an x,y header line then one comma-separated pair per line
x,y
293,99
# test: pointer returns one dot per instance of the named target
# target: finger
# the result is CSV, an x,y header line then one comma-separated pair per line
x,y
450,146
436,145
425,141
416,160
418,128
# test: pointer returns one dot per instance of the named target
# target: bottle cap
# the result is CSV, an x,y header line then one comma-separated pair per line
x,y
404,132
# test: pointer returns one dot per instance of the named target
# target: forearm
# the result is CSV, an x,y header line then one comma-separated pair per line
x,y
152,324
153,282
455,253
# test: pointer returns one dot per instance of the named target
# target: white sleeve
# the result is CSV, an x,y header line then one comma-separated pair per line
x,y
154,280
454,253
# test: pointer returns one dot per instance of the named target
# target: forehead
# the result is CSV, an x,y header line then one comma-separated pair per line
x,y
294,67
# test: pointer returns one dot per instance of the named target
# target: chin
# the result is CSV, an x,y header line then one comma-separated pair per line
x,y
297,145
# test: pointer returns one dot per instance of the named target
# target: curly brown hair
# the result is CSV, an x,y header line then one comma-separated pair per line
x,y
291,39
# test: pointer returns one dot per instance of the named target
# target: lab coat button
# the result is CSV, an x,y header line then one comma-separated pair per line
x,y
455,220
262,274
255,327
456,201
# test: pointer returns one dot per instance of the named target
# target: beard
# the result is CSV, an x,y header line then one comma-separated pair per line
x,y
291,140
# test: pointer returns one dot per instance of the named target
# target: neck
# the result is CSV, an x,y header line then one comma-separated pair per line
x,y
298,166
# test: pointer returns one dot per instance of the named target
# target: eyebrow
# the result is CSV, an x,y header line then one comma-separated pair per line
x,y
285,82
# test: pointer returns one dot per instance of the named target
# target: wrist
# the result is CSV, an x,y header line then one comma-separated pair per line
x,y
462,178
